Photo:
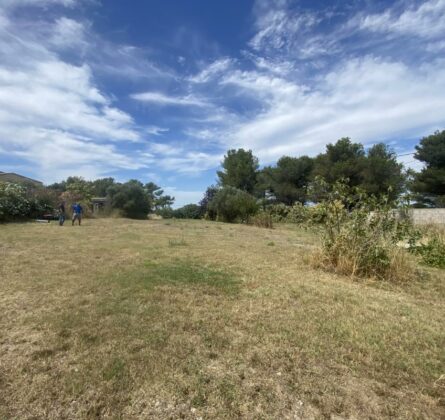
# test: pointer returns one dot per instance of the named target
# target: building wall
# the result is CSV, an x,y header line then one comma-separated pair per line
x,y
427,216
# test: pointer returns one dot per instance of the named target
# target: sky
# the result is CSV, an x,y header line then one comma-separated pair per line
x,y
159,90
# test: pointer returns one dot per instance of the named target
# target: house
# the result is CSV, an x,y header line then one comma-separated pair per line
x,y
19,179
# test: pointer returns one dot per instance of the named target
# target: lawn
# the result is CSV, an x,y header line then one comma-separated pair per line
x,y
196,319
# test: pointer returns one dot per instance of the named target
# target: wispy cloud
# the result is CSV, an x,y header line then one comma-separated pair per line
x,y
51,112
215,68
426,20
161,99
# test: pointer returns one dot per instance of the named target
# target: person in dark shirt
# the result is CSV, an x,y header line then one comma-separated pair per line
x,y
77,213
61,213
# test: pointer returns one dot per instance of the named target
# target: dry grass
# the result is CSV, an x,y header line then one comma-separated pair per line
x,y
155,319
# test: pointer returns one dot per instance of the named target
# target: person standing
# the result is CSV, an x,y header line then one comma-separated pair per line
x,y
62,213
77,213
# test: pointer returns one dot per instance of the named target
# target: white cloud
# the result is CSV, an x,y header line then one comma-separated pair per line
x,y
10,4
155,130
426,21
279,27
212,70
367,99
190,162
161,99
52,114
69,33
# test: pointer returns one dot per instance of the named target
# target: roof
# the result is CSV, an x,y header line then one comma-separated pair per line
x,y
11,177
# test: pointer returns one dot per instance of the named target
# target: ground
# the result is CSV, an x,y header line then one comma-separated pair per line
x,y
196,319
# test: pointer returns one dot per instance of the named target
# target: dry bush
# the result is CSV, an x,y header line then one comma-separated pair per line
x,y
360,236
262,219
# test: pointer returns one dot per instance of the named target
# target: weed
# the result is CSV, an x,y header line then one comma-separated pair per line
x,y
262,219
432,253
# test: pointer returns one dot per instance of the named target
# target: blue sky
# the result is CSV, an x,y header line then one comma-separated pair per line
x,y
158,90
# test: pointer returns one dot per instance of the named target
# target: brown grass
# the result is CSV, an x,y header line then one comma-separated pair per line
x,y
156,319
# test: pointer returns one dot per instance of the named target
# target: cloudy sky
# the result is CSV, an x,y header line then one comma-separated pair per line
x,y
158,90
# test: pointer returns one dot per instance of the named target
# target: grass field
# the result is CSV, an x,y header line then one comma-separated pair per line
x,y
195,319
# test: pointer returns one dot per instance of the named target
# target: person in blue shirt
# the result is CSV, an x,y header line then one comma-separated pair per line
x,y
77,213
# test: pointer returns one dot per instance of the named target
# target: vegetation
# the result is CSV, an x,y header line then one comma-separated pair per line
x,y
239,170
144,319
429,183
20,202
288,182
360,236
432,250
231,204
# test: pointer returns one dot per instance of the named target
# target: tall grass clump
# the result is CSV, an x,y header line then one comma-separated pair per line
x,y
360,236
262,219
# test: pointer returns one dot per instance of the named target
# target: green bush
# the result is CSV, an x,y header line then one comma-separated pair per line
x,y
433,252
298,213
189,211
231,204
360,236
14,203
131,199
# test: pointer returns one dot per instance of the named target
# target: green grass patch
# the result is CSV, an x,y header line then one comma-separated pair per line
x,y
180,273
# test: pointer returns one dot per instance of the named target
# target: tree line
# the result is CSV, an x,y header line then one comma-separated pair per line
x,y
131,199
241,183
243,187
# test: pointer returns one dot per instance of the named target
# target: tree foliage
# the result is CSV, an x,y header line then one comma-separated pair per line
x,y
131,198
429,183
231,204
157,197
382,175
206,209
289,180
343,160
239,170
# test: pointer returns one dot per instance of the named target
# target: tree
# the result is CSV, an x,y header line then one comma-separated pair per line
x,y
289,180
79,188
382,174
429,183
100,186
231,204
343,160
206,200
131,198
239,170
158,200
189,211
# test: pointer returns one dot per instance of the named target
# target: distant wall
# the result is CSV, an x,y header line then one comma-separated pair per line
x,y
427,216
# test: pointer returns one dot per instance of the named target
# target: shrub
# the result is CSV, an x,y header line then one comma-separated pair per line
x,y
262,219
279,212
231,204
131,199
432,253
189,211
14,203
361,239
